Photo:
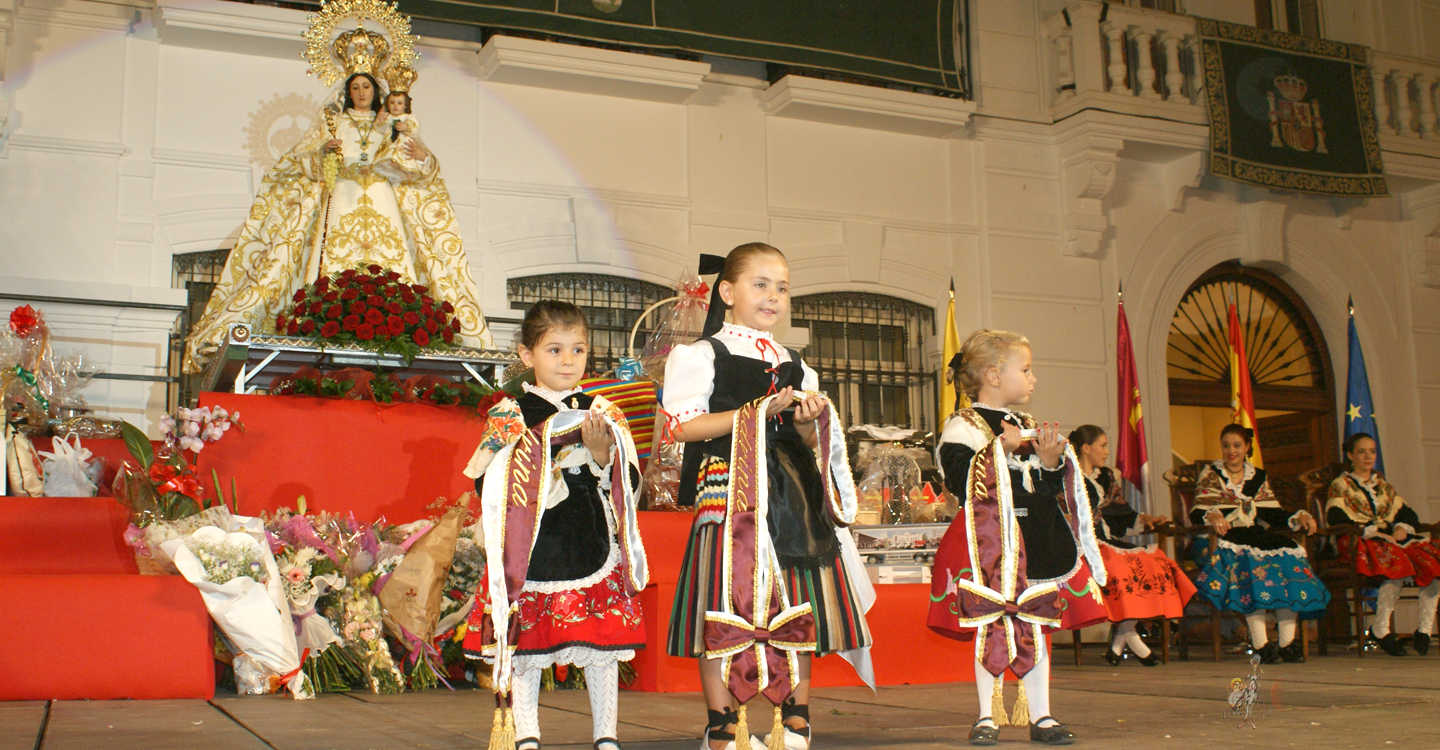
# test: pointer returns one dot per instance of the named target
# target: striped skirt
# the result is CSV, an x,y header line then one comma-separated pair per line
x,y
839,620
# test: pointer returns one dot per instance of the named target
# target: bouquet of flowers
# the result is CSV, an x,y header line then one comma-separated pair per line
x,y
362,624
165,486
413,593
373,309
308,575
241,587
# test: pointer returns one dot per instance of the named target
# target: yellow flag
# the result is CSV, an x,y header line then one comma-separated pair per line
x,y
952,347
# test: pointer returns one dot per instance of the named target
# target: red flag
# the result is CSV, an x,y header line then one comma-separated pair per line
x,y
1242,403
1130,458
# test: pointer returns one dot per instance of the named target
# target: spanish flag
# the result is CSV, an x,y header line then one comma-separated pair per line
x,y
1130,458
952,347
1242,403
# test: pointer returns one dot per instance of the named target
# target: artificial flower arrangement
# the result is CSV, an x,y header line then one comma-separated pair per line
x,y
373,309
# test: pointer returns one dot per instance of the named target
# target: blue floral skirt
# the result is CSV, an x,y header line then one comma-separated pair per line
x,y
1241,578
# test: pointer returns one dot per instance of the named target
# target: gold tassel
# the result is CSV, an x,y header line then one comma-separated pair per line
x,y
1020,715
997,703
502,730
777,733
742,732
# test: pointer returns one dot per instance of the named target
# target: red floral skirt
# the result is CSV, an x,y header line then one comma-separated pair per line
x,y
599,617
1376,558
1080,602
1143,583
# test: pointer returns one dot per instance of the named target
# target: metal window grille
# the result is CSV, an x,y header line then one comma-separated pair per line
x,y
197,274
869,351
611,305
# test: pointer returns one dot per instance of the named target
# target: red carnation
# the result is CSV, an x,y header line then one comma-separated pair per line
x,y
382,333
280,322
392,276
373,269
374,317
420,288
335,312
332,296
455,325
393,307
411,318
374,300
447,307
408,296
322,284
449,336
351,322
364,332
293,329
349,294
348,273
299,295
431,327
396,325
307,327
357,307
422,338
329,329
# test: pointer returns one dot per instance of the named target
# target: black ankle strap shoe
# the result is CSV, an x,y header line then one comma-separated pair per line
x,y
1055,734
984,735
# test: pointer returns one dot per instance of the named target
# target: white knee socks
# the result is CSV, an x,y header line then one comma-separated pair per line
x,y
525,691
1125,631
985,688
1285,626
1255,623
1037,691
603,683
1429,596
1385,602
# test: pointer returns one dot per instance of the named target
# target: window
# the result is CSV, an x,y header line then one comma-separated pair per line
x,y
196,273
869,351
611,305
1166,5
1300,17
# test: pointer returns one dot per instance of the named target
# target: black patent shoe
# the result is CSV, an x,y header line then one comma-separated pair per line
x,y
1421,642
607,743
1292,654
1112,657
1055,734
1150,660
527,743
984,735
1390,644
1269,653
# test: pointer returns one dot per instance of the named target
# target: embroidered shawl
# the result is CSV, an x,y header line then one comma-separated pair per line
x,y
1238,504
1358,502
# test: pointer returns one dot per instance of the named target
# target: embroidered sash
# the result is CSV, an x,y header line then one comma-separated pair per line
x,y
757,632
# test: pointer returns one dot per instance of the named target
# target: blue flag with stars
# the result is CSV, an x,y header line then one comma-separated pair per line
x,y
1359,409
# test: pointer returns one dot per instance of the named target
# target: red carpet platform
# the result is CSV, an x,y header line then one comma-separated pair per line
x,y
76,619
67,574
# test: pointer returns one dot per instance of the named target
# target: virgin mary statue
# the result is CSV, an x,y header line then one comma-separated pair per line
x,y
381,202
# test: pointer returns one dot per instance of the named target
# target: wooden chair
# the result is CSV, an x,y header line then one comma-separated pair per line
x,y
1344,580
1182,494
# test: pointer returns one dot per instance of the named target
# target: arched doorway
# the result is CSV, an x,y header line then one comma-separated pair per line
x,y
1290,372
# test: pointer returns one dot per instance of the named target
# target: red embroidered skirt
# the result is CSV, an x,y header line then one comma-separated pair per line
x,y
1376,558
1080,601
599,617
1379,558
1142,583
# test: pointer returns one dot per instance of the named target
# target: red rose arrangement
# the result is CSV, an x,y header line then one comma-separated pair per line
x,y
373,309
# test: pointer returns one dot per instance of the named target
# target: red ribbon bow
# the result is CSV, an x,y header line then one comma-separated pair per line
x,y
1015,623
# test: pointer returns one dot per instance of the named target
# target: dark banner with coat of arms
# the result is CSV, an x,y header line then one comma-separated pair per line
x,y
1289,112
916,43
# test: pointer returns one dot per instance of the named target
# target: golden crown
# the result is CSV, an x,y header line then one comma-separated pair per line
x,y
333,57
400,78
1291,86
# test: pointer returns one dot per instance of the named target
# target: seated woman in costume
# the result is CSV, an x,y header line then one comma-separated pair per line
x,y
1389,549
1140,582
1246,566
